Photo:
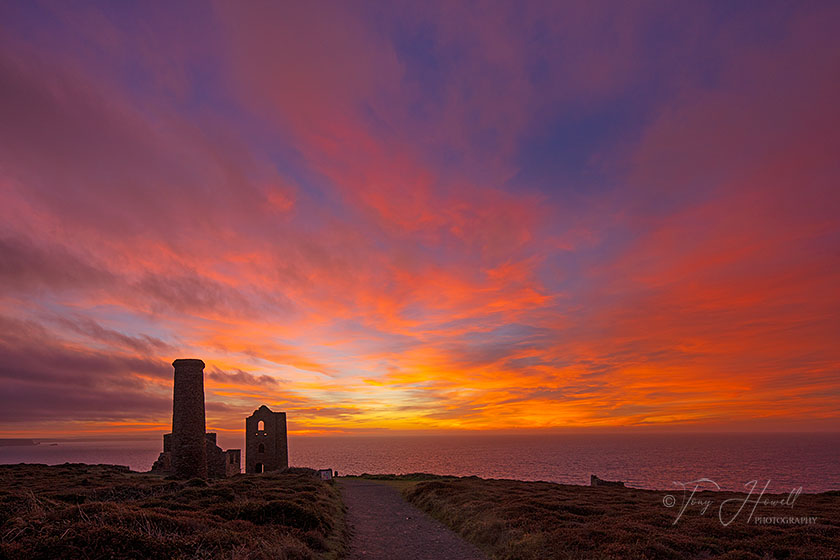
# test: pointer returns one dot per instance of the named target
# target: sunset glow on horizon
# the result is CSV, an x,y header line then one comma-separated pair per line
x,y
412,218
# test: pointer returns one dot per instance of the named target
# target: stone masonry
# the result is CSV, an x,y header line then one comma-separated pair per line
x,y
189,451
266,446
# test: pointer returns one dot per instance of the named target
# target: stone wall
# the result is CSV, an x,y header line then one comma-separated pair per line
x,y
595,481
233,462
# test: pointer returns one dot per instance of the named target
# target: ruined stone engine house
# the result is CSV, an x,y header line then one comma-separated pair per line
x,y
266,446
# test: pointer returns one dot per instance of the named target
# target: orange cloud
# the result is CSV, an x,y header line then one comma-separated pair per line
x,y
398,227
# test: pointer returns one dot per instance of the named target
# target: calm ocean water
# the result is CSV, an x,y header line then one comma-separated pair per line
x,y
811,461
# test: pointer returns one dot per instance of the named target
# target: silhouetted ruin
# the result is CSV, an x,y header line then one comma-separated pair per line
x,y
595,481
266,447
189,451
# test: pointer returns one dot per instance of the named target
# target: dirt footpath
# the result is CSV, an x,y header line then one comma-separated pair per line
x,y
386,527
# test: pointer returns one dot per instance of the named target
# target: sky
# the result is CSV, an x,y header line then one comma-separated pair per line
x,y
420,217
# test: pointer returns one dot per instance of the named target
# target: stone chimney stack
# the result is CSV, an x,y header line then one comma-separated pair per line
x,y
189,454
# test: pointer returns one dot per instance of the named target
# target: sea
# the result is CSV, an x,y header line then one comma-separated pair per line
x,y
782,462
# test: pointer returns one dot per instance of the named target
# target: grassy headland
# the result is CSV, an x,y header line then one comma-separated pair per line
x,y
102,511
510,520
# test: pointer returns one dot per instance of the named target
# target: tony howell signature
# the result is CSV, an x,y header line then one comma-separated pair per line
x,y
731,508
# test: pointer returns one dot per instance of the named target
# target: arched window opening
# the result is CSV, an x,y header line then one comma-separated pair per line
x,y
231,459
261,425
262,448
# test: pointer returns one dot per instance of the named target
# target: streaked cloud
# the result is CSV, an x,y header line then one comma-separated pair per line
x,y
419,217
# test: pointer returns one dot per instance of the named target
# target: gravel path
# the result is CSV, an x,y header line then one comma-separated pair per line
x,y
386,527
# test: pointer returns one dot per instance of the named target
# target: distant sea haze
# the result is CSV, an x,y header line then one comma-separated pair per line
x,y
655,461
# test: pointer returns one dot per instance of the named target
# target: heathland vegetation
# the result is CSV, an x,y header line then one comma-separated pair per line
x,y
100,511
510,520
